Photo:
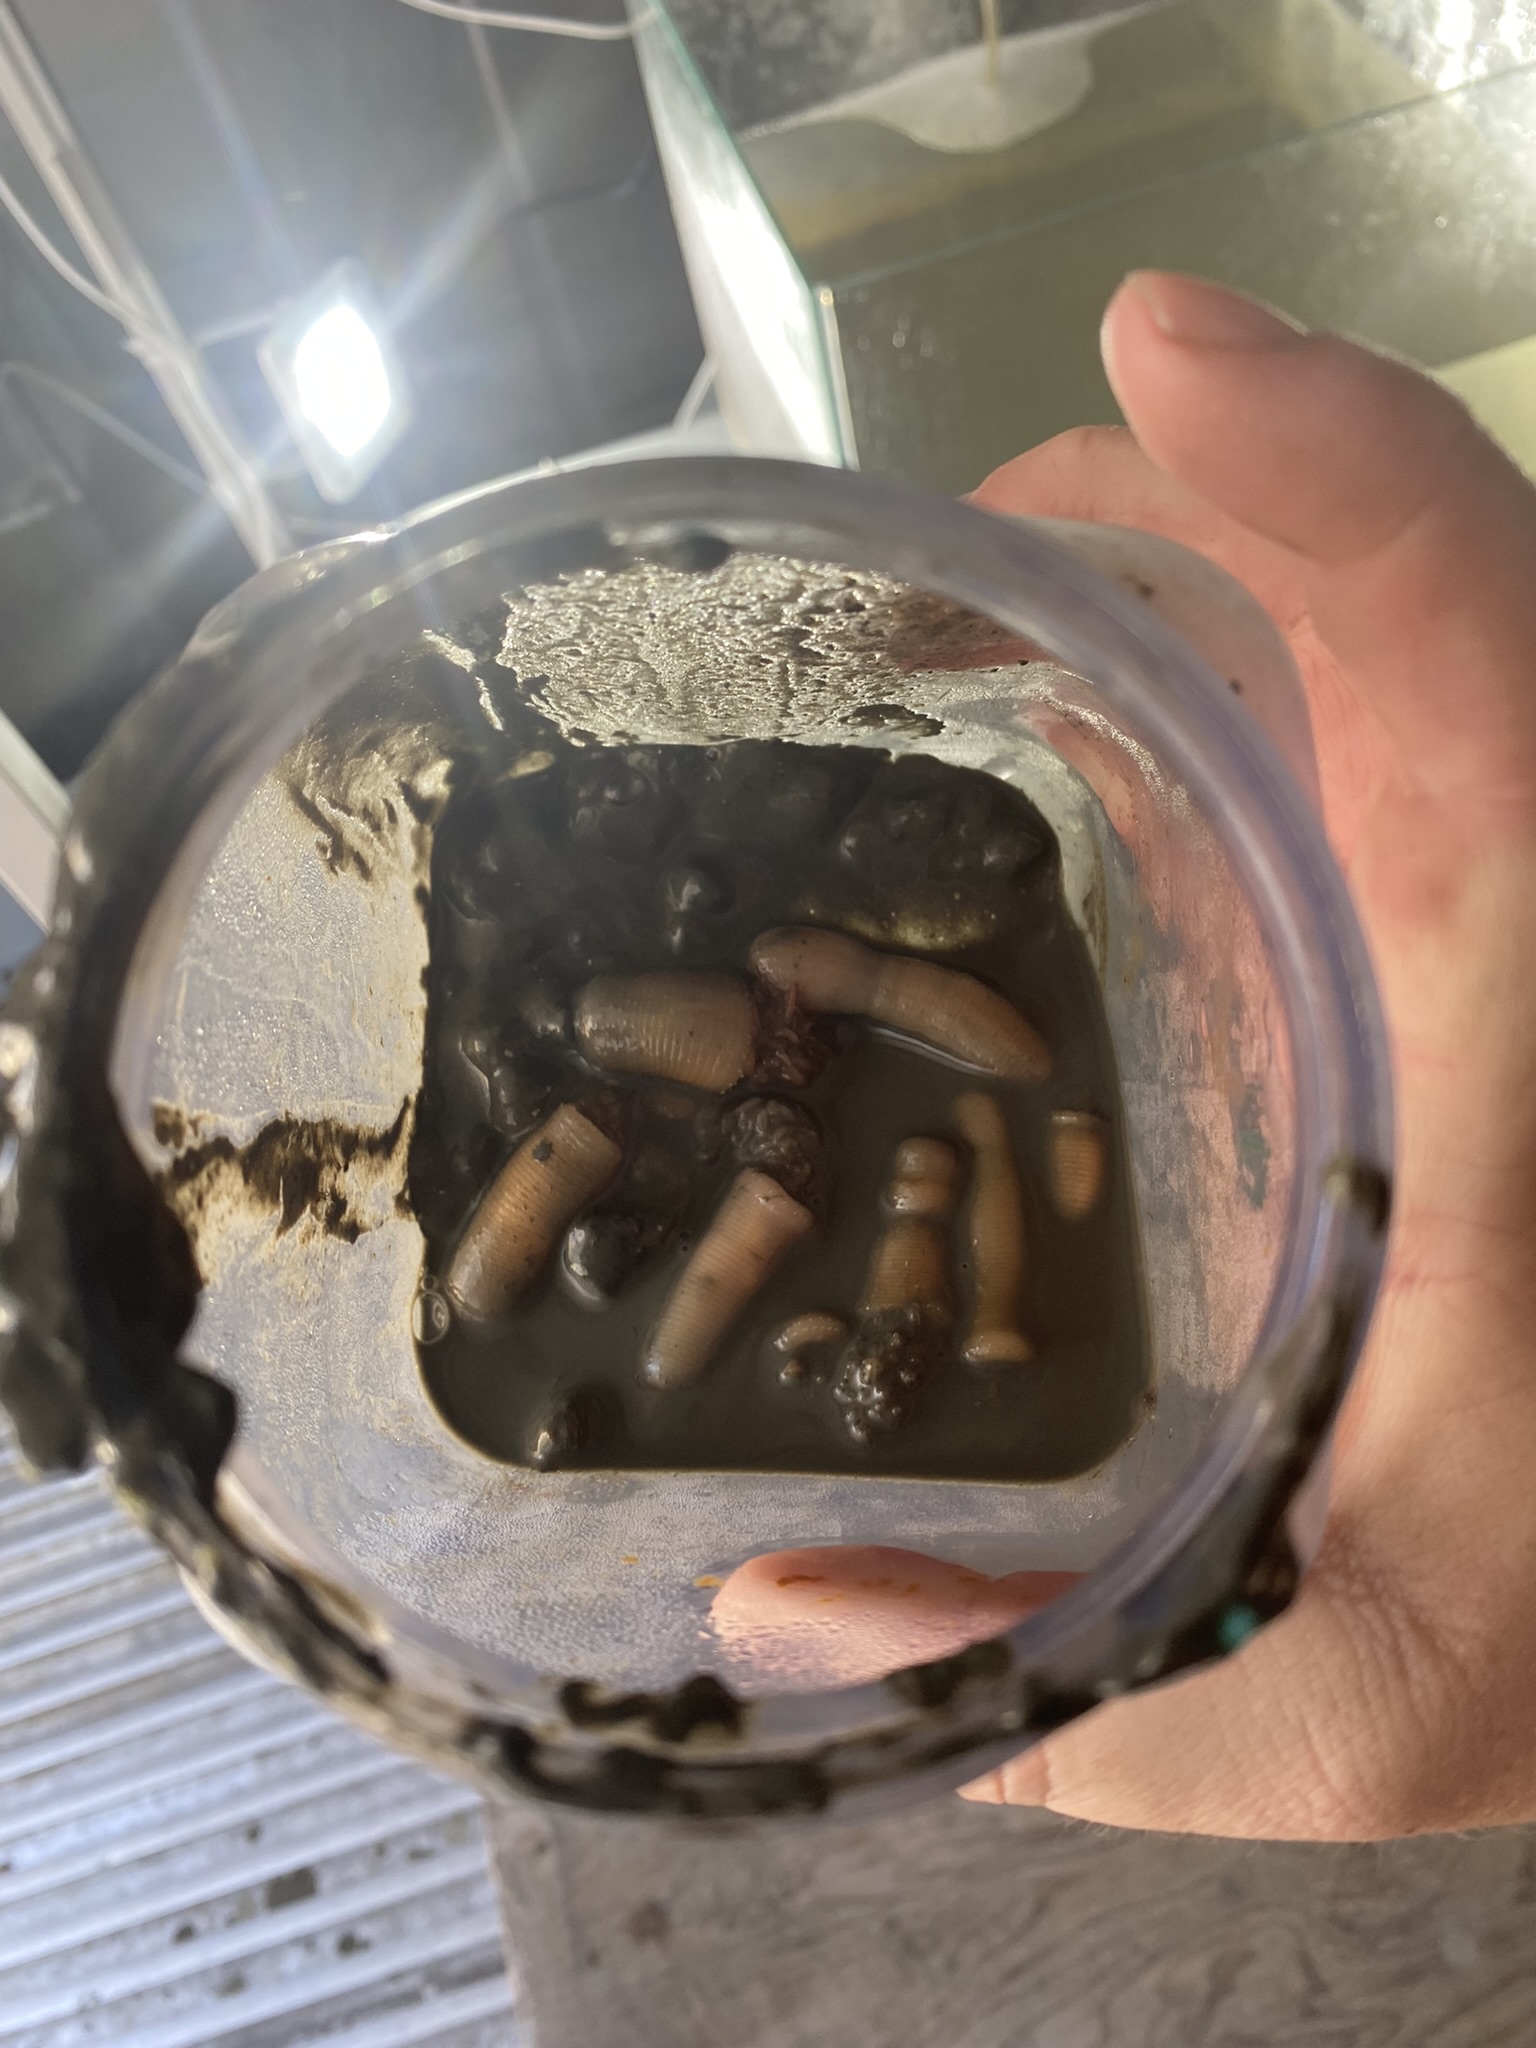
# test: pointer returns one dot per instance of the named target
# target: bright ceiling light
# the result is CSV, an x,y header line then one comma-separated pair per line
x,y
339,373
341,389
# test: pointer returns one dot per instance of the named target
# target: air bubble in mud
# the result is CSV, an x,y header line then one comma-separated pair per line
x,y
431,1317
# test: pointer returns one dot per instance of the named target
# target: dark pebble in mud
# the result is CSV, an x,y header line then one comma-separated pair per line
x,y
578,1426
698,895
589,941
698,888
781,1138
516,1088
540,1016
708,1131
621,805
604,1249
918,825
498,849
520,1092
774,795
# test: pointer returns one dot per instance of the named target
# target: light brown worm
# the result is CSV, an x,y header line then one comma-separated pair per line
x,y
558,1168
951,1013
802,1333
1078,1157
811,1326
909,1267
924,1179
700,1029
996,1228
751,1232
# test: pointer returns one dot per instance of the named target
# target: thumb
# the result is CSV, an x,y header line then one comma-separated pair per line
x,y
1416,535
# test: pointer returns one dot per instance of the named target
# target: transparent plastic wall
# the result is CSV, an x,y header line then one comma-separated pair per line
x,y
290,998
219,1252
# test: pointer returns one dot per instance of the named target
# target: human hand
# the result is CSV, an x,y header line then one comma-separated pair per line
x,y
1395,547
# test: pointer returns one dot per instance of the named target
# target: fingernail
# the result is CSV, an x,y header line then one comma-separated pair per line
x,y
1205,315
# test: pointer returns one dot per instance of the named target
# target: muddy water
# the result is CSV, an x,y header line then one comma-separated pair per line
x,y
556,862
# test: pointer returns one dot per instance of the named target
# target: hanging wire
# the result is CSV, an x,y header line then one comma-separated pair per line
x,y
109,423
141,341
58,260
532,24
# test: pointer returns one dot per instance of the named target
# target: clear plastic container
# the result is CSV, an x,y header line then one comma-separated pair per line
x,y
236,966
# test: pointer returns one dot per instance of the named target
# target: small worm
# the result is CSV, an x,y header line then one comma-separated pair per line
x,y
996,1224
904,1316
700,1029
751,1232
802,1333
557,1170
951,1013
1078,1155
910,1264
811,1326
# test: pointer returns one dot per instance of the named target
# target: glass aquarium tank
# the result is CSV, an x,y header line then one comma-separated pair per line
x,y
902,224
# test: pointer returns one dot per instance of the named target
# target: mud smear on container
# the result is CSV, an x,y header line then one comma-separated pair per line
x,y
372,778
352,780
341,1179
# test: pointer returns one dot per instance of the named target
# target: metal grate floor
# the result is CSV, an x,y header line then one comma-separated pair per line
x,y
194,1855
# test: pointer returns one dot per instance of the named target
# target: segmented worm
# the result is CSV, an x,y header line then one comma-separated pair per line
x,y
951,1013
558,1168
910,1263
1078,1158
700,1029
996,1227
802,1333
752,1231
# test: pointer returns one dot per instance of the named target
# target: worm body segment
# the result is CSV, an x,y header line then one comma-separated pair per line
x,y
812,1329
924,1179
811,1326
910,1264
556,1171
1078,1157
953,1014
752,1231
700,1029
996,1228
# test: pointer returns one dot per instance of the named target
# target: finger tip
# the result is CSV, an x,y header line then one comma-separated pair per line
x,y
1022,1781
1164,328
819,1618
1121,330
987,1791
1138,351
